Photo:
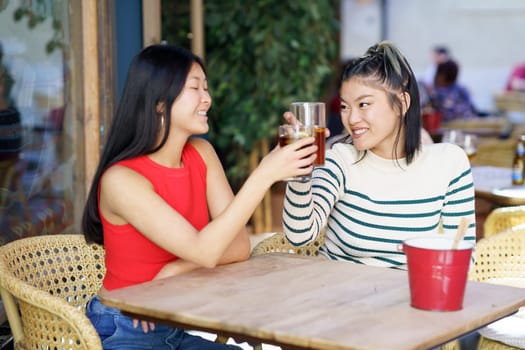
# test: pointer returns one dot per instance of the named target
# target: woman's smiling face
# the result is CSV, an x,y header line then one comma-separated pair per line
x,y
370,118
189,110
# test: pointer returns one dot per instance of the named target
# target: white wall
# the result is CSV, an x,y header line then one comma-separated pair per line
x,y
486,37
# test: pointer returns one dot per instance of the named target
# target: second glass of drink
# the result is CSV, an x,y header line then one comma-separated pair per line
x,y
291,133
313,114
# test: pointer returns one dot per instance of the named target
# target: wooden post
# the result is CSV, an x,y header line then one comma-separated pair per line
x,y
151,22
197,28
267,202
262,217
91,89
257,217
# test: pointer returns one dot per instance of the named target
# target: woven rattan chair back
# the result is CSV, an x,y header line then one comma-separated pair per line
x,y
46,282
502,219
489,344
278,243
500,258
498,153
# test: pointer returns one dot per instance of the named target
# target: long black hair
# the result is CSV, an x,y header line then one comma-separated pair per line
x,y
156,76
384,66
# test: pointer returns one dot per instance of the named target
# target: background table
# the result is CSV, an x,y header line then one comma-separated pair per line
x,y
495,185
311,303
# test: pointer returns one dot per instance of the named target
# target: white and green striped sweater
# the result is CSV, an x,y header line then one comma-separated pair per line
x,y
370,206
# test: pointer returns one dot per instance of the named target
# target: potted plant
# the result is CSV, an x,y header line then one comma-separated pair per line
x,y
262,55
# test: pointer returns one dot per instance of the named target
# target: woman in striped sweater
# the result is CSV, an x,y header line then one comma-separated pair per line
x,y
382,186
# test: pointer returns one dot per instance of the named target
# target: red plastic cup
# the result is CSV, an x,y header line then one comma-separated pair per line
x,y
432,121
437,273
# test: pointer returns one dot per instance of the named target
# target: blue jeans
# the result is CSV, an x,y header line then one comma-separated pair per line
x,y
116,332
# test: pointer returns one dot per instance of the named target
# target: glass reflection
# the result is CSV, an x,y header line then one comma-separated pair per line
x,y
36,160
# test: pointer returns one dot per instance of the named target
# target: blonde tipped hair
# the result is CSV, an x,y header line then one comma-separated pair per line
x,y
385,67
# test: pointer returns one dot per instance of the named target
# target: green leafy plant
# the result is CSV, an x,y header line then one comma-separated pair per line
x,y
175,20
262,55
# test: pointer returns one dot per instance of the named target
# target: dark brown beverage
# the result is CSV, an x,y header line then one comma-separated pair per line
x,y
320,140
286,139
289,134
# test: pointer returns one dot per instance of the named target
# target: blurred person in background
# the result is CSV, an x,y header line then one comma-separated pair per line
x,y
439,55
516,81
449,97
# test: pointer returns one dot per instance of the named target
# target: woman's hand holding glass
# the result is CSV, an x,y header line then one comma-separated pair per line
x,y
312,115
293,160
289,134
291,119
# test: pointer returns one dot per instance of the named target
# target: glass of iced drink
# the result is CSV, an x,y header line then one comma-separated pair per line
x,y
290,133
313,114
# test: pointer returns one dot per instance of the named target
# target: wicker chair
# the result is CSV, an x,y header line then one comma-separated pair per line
x,y
278,243
499,153
500,259
45,283
502,219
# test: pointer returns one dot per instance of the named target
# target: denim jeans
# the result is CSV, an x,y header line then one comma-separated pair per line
x,y
116,332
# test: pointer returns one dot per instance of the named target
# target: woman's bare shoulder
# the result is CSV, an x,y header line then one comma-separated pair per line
x,y
204,147
117,177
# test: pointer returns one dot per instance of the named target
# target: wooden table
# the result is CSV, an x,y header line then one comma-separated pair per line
x,y
495,185
311,303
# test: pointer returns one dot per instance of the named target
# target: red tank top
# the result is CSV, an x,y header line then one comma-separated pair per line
x,y
131,258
